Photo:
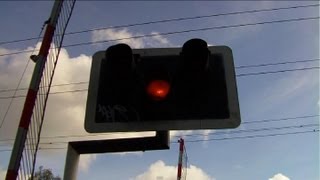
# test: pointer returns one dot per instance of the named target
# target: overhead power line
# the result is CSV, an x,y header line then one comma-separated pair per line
x,y
194,30
177,32
237,67
253,136
244,122
206,140
280,119
222,133
20,80
58,92
18,52
275,64
213,139
252,130
54,85
279,71
238,75
173,20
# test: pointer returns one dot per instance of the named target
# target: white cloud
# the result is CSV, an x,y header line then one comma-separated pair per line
x,y
290,86
137,153
160,38
203,135
120,34
282,89
238,167
11,68
2,174
236,34
206,137
279,176
206,134
65,112
108,34
159,170
85,161
180,133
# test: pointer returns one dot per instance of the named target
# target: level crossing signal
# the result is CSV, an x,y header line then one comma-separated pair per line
x,y
187,88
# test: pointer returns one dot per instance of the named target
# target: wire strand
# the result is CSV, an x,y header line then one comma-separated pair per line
x,y
178,32
254,136
193,30
203,140
177,136
279,71
20,80
238,75
172,20
237,67
251,130
275,64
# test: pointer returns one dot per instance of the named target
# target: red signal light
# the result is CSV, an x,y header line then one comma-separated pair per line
x,y
158,89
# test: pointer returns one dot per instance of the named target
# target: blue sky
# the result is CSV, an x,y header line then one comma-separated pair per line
x,y
272,96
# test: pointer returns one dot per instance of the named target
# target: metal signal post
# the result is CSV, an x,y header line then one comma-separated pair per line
x,y
181,151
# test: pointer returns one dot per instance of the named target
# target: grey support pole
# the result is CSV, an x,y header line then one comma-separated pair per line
x,y
71,166
75,148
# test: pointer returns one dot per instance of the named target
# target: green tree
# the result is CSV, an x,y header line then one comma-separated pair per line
x,y
44,174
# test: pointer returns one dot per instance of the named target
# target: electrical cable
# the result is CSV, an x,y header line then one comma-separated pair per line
x,y
178,32
275,64
20,80
279,71
54,85
206,140
237,67
172,20
238,75
254,136
223,133
250,130
214,133
193,30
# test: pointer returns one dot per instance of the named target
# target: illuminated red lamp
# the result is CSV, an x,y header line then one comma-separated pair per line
x,y
158,89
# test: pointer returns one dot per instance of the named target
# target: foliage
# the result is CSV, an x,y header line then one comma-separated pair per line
x,y
44,174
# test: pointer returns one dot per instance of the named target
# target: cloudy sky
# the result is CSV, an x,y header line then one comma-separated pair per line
x,y
220,154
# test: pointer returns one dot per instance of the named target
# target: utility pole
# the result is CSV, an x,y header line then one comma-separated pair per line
x,y
181,152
